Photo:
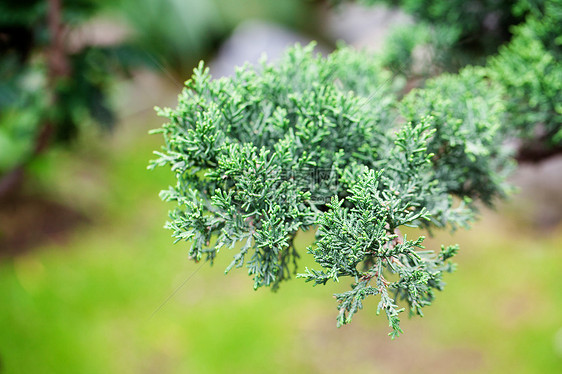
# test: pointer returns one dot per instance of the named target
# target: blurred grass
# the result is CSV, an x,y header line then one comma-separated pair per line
x,y
93,303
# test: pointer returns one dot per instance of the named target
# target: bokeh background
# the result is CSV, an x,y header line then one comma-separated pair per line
x,y
90,282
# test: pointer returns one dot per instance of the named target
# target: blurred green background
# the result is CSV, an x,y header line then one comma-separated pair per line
x,y
91,283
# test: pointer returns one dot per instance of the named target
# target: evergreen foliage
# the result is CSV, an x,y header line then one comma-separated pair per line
x,y
319,142
328,143
530,69
468,114
479,24
527,67
436,43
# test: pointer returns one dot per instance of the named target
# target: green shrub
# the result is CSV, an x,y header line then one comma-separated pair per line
x,y
317,142
327,143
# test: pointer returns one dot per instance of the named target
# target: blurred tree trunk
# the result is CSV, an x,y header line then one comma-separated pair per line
x,y
58,67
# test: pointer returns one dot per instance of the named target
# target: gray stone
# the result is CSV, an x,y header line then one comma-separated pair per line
x,y
251,41
364,27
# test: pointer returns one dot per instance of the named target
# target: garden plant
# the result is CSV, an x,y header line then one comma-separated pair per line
x,y
342,144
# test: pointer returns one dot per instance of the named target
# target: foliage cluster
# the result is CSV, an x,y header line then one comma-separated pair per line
x,y
481,25
329,143
325,142
530,69
527,67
